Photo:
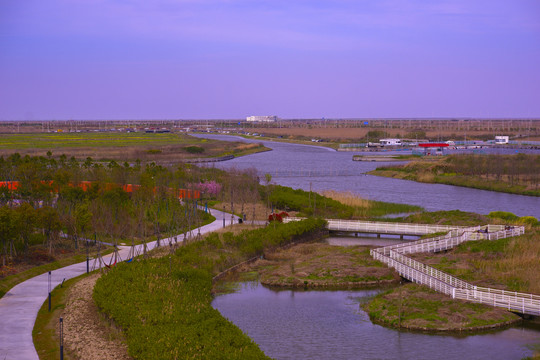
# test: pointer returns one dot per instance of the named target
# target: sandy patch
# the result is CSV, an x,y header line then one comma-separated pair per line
x,y
86,334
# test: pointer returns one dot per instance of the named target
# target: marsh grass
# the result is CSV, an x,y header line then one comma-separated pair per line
x,y
363,208
322,265
417,307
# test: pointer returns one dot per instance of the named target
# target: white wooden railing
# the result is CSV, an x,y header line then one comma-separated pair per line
x,y
382,227
393,255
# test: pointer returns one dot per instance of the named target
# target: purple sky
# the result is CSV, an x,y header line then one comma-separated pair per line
x,y
174,59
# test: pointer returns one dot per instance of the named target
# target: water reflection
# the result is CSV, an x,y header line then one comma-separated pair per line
x,y
293,324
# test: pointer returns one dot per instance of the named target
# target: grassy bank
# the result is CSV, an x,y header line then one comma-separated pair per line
x,y
7,282
331,204
45,332
106,146
166,311
514,174
416,307
318,265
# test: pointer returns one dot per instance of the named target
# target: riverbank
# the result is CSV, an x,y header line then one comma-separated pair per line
x,y
414,307
318,265
513,174
169,299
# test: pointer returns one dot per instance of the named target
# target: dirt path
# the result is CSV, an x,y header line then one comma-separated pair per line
x,y
86,333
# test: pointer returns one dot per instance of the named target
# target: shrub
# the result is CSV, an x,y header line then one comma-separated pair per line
x,y
504,215
194,149
529,220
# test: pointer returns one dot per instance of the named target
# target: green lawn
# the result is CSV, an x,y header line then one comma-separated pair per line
x,y
91,139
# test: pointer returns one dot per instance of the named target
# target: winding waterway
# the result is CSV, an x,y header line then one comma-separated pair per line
x,y
294,325
304,166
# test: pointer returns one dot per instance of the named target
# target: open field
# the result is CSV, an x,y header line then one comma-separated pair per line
x,y
120,146
334,130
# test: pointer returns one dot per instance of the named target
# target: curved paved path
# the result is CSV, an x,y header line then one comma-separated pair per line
x,y
20,305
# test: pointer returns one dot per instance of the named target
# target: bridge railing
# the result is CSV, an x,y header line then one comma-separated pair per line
x,y
415,275
440,281
431,271
386,227
513,301
382,227
424,245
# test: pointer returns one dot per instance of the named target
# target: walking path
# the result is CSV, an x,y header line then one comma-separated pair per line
x,y
20,305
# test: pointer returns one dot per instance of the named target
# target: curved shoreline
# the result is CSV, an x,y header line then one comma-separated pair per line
x,y
468,330
330,286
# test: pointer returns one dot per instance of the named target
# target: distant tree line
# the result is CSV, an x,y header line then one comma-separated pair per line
x,y
515,169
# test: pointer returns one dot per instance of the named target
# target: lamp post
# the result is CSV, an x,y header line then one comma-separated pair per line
x,y
50,275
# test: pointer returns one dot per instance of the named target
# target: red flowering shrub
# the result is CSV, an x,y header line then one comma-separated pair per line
x,y
275,217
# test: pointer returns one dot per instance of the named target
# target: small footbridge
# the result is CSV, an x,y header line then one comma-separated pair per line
x,y
377,227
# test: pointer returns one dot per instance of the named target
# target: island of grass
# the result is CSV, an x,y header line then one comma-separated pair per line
x,y
515,174
416,307
319,265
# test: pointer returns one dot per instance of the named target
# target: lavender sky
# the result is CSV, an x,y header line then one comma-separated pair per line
x,y
174,59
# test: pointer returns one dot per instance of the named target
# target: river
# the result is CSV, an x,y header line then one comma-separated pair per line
x,y
292,324
295,324
305,166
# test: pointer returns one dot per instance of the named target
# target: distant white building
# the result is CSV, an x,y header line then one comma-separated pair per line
x,y
501,139
265,118
387,142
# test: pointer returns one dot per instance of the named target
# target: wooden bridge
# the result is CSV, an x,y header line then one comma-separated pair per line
x,y
377,227
415,271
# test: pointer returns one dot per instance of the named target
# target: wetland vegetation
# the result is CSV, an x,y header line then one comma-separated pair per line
x,y
166,310
515,174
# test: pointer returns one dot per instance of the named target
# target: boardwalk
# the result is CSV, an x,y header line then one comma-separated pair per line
x,y
394,256
378,227
19,307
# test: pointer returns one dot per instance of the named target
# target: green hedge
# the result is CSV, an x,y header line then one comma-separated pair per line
x,y
299,200
164,305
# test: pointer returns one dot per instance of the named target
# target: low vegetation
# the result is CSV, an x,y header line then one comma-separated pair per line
x,y
516,174
123,146
418,308
318,265
331,205
44,333
166,311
